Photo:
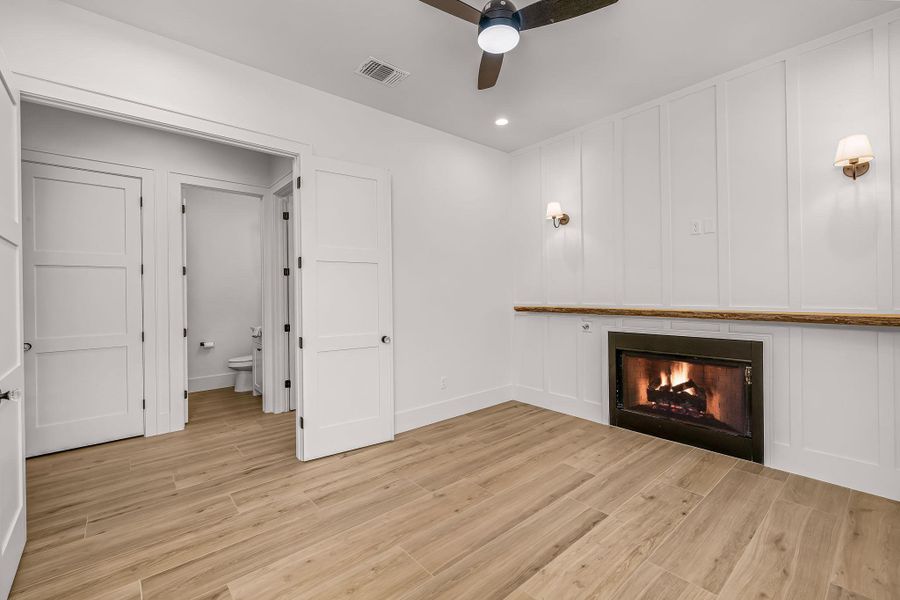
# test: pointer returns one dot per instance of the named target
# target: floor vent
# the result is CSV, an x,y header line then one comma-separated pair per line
x,y
382,72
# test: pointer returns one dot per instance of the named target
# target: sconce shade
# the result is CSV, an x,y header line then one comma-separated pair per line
x,y
853,150
554,210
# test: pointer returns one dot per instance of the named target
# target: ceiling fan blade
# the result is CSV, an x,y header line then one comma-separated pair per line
x,y
545,12
490,70
457,8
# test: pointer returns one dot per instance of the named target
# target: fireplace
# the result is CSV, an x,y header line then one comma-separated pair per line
x,y
699,391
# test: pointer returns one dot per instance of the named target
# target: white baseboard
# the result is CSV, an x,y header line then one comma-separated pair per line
x,y
420,416
590,411
211,382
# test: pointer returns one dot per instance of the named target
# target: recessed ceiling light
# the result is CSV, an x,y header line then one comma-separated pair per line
x,y
501,122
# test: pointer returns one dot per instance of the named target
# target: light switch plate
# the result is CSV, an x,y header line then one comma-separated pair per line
x,y
696,227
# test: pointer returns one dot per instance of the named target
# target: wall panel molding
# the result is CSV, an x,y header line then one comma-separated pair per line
x,y
787,233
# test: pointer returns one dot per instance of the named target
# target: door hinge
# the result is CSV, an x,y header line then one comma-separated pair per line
x,y
301,342
287,272
287,383
142,268
142,336
185,332
144,404
299,262
141,202
301,422
299,182
748,375
287,327
184,270
285,215
183,209
185,394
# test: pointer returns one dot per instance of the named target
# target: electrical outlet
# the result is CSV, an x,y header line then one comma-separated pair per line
x,y
443,383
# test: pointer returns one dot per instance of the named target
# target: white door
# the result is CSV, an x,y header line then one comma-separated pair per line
x,y
12,443
82,247
346,316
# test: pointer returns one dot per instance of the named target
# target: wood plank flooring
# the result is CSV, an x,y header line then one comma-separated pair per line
x,y
510,502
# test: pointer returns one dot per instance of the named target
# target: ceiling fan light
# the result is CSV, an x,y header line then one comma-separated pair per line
x,y
498,39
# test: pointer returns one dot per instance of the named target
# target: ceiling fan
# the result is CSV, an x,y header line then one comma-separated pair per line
x,y
499,24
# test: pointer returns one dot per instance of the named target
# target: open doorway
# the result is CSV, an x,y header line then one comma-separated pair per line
x,y
236,296
108,353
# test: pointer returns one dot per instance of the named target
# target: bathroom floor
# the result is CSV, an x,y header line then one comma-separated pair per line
x,y
510,502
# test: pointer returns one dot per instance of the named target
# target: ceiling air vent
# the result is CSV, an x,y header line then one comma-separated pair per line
x,y
382,72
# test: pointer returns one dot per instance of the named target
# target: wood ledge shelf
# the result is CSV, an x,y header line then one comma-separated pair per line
x,y
814,318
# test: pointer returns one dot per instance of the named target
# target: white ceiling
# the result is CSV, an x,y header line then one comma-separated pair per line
x,y
560,77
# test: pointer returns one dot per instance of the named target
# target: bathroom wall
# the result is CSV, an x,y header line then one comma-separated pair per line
x,y
224,282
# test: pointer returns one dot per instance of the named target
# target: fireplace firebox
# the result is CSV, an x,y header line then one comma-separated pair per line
x,y
699,391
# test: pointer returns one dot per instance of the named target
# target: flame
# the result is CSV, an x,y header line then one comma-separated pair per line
x,y
677,373
720,387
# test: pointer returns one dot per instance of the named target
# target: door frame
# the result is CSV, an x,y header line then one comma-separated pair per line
x,y
282,192
273,333
40,91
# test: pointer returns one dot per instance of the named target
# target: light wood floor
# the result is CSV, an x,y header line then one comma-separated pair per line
x,y
510,502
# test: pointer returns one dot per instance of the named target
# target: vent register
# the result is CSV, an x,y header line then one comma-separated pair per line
x,y
382,72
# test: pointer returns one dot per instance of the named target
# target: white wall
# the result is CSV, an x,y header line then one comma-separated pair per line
x,y
750,155
452,289
224,282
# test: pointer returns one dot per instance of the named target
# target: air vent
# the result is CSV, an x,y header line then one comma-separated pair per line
x,y
382,72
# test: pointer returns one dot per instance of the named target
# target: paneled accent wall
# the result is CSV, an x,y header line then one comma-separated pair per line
x,y
724,195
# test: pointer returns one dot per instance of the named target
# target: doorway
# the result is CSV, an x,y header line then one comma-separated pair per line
x,y
236,304
104,271
343,346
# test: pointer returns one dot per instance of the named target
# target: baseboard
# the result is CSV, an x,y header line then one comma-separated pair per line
x,y
211,382
420,416
568,406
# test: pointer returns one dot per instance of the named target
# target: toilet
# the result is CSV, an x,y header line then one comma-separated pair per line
x,y
243,366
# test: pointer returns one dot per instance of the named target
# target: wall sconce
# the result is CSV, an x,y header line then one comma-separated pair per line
x,y
854,154
555,214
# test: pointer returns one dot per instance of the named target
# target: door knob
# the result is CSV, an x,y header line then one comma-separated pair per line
x,y
386,339
27,346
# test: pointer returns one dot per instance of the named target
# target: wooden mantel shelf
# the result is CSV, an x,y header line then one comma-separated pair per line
x,y
815,318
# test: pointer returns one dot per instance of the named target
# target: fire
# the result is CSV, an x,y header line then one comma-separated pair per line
x,y
704,393
677,374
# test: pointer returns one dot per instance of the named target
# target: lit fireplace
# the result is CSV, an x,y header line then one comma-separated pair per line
x,y
695,390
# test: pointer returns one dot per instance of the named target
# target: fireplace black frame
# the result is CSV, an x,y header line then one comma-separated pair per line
x,y
676,346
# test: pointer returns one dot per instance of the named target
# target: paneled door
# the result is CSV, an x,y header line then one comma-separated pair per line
x,y
12,444
82,248
346,312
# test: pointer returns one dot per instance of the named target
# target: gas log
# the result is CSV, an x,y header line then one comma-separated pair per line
x,y
685,397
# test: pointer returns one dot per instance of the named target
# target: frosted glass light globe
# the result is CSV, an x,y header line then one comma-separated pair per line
x,y
498,39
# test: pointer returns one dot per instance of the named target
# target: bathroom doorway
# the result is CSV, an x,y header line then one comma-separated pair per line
x,y
236,275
